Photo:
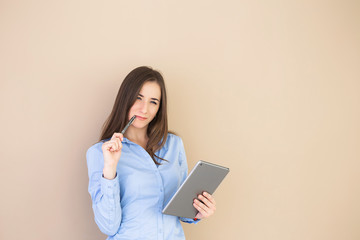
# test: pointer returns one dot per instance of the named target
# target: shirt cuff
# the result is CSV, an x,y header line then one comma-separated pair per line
x,y
190,220
109,187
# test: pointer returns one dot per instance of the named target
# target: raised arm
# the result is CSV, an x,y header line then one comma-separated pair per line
x,y
104,187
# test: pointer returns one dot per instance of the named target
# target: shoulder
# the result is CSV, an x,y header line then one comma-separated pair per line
x,y
173,139
95,158
94,150
173,142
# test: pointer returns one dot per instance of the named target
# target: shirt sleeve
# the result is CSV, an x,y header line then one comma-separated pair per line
x,y
184,171
105,194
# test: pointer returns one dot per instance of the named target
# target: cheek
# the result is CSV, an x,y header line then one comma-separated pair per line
x,y
132,112
154,111
134,108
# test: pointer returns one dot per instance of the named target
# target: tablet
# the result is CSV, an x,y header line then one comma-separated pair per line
x,y
204,177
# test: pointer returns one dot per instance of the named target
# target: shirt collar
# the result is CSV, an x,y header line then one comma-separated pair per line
x,y
125,140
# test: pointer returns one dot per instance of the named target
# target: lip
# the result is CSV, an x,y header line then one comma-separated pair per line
x,y
140,118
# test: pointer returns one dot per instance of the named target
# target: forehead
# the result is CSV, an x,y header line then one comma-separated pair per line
x,y
151,90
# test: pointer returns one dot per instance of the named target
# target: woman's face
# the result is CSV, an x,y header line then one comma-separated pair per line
x,y
146,105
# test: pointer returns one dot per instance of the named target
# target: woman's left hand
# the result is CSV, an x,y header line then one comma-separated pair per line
x,y
206,207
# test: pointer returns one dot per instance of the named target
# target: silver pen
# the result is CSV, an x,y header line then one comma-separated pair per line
x,y
127,125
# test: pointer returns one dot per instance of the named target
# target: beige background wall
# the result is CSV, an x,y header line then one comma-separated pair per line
x,y
267,88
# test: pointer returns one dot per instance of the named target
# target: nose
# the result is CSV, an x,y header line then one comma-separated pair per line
x,y
144,107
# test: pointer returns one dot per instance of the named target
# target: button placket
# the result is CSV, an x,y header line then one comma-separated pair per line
x,y
149,161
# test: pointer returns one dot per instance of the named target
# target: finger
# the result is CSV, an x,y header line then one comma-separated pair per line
x,y
206,204
117,135
121,137
111,146
209,197
207,207
115,144
119,144
201,208
107,146
206,201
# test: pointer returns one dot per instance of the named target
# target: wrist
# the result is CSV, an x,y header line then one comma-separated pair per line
x,y
109,173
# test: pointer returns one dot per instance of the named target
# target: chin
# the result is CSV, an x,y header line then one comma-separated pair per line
x,y
137,125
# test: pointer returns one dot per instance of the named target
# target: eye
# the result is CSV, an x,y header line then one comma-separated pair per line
x,y
138,98
154,102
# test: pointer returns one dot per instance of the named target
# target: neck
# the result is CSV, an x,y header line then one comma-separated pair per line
x,y
137,135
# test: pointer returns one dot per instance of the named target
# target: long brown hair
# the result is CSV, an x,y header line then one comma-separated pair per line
x,y
157,130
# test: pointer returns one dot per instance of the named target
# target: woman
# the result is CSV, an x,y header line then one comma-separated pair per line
x,y
132,177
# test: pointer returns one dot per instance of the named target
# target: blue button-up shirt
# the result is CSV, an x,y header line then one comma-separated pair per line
x,y
130,205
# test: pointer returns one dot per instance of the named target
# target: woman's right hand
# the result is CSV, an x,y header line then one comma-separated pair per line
x,y
112,152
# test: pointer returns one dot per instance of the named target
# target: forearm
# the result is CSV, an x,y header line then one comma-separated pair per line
x,y
109,172
106,205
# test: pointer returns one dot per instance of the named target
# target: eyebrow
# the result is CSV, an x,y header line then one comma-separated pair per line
x,y
151,98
